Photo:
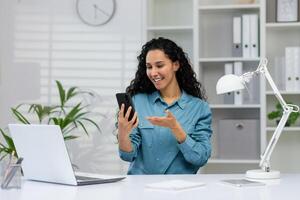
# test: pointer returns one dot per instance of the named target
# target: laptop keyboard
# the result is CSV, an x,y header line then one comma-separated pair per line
x,y
85,178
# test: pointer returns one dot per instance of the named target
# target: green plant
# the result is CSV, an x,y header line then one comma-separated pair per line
x,y
68,115
277,114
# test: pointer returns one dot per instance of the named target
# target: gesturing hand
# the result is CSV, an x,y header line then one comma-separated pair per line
x,y
125,126
168,121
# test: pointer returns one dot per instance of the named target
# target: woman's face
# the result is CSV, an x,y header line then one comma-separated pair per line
x,y
160,69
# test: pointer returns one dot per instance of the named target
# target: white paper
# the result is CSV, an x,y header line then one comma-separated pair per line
x,y
175,185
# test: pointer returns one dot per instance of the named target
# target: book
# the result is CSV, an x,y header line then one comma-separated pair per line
x,y
175,185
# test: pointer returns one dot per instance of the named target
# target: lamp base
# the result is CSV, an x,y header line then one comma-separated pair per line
x,y
263,175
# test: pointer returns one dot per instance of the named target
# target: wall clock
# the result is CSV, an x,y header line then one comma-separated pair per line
x,y
95,12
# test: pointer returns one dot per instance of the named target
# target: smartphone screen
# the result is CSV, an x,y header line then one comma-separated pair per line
x,y
124,98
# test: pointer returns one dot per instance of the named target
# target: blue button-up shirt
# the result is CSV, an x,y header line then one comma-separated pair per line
x,y
155,148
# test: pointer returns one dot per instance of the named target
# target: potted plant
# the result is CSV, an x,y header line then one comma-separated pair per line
x,y
70,114
277,114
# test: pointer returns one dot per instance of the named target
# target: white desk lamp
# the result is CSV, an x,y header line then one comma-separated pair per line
x,y
229,83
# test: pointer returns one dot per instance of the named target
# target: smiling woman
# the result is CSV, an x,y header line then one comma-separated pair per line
x,y
171,129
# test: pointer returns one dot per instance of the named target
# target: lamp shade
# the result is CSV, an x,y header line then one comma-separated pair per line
x,y
229,83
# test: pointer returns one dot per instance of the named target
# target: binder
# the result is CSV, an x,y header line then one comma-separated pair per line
x,y
228,97
251,94
297,69
237,37
238,70
292,65
246,35
253,35
279,72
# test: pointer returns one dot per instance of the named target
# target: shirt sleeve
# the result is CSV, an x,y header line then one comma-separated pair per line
x,y
196,149
135,138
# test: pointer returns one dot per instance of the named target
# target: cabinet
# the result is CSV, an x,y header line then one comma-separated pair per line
x,y
204,28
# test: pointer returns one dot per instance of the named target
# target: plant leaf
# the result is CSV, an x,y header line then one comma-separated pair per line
x,y
83,127
94,123
71,93
19,116
62,93
70,137
9,142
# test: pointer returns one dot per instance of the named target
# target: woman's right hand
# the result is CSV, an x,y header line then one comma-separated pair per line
x,y
125,127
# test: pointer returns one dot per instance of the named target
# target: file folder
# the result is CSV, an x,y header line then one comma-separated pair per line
x,y
237,37
297,69
292,64
228,97
246,35
238,70
253,35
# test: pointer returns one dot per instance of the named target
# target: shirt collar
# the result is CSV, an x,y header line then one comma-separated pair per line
x,y
182,101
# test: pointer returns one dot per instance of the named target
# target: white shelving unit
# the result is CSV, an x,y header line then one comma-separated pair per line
x,y
204,29
227,59
286,129
229,7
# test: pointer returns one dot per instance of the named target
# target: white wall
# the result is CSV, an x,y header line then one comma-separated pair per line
x,y
43,41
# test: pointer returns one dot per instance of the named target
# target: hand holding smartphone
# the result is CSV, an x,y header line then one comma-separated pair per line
x,y
124,98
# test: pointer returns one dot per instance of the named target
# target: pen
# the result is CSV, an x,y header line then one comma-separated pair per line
x,y
11,172
8,165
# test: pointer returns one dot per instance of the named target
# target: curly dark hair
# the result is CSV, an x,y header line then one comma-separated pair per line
x,y
185,75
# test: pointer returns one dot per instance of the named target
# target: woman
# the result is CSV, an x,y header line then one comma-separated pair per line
x,y
171,134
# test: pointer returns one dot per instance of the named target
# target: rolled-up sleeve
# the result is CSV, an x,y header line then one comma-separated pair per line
x,y
135,138
196,149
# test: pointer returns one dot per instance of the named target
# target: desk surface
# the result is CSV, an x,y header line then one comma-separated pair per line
x,y
133,188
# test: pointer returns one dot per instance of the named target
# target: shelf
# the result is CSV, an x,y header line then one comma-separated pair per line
x,y
283,25
288,129
170,28
232,161
284,92
229,106
229,7
227,59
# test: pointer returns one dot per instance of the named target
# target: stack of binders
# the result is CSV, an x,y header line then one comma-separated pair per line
x,y
245,36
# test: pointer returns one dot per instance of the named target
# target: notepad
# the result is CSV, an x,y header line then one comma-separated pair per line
x,y
175,185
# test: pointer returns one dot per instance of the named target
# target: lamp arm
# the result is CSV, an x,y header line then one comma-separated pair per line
x,y
282,102
287,109
265,157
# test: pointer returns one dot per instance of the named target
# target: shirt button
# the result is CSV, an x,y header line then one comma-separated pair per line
x,y
157,159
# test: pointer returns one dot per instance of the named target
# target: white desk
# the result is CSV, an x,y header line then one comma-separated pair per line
x,y
133,188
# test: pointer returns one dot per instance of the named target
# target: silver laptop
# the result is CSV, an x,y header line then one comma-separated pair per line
x,y
46,158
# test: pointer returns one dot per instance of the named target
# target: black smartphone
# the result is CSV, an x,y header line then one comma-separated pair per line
x,y
124,98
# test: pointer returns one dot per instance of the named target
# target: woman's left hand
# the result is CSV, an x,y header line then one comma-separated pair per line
x,y
168,121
